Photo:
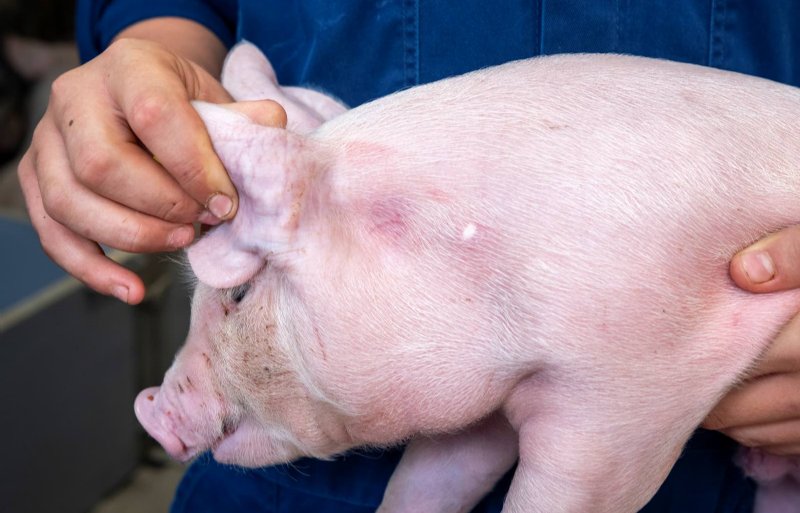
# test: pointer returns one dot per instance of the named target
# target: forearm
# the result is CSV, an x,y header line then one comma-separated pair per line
x,y
185,38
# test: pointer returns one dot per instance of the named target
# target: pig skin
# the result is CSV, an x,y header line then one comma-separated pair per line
x,y
525,261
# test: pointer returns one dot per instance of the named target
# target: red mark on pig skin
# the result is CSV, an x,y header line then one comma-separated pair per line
x,y
367,154
150,397
390,217
207,360
438,195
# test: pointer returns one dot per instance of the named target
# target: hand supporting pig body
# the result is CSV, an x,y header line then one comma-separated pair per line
x,y
492,253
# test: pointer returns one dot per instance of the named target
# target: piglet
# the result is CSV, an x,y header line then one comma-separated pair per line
x,y
525,263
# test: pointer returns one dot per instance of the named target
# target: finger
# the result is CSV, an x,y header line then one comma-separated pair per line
x,y
775,434
773,398
262,112
770,264
107,159
792,449
783,355
160,115
76,255
94,217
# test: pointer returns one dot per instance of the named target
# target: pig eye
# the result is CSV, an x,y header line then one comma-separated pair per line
x,y
238,293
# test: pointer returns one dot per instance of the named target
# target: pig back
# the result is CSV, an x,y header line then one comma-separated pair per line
x,y
577,205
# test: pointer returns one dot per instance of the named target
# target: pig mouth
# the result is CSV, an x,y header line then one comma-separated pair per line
x,y
229,428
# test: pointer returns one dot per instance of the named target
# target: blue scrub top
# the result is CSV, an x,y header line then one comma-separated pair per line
x,y
361,50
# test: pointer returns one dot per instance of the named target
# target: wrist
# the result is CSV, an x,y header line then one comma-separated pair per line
x,y
185,38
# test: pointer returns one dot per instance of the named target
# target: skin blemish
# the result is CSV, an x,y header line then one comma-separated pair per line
x,y
390,217
180,388
71,121
438,195
207,360
469,231
150,397
554,125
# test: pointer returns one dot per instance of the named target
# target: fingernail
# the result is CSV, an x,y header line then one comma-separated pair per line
x,y
758,266
207,217
180,237
120,292
220,205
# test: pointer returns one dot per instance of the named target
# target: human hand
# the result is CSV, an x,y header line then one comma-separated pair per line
x,y
90,176
765,411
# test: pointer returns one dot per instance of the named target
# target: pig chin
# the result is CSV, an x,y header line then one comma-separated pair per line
x,y
250,445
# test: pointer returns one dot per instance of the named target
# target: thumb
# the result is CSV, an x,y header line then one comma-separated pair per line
x,y
261,112
771,264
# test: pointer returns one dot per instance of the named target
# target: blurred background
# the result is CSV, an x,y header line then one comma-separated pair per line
x,y
71,361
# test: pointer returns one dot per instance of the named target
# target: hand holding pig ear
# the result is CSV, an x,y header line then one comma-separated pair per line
x,y
765,412
121,158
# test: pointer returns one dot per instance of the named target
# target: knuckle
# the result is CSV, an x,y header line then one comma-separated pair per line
x,y
133,236
121,48
147,112
56,204
26,165
92,166
84,274
715,420
50,249
791,406
121,45
188,171
61,86
177,210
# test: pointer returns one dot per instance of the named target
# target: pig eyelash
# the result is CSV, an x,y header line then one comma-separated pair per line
x,y
237,294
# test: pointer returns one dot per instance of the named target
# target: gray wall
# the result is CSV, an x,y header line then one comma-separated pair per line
x,y
71,363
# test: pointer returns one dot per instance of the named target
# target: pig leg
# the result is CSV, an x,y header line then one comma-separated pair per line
x,y
581,452
451,473
778,480
782,496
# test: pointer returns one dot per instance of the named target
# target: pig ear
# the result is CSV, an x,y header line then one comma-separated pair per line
x,y
248,75
269,167
326,106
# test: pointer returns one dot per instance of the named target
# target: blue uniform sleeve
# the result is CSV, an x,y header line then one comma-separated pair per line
x,y
98,21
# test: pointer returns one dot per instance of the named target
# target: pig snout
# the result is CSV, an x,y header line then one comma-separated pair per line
x,y
182,419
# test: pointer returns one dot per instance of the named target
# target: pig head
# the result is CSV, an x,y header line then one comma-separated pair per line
x,y
533,255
